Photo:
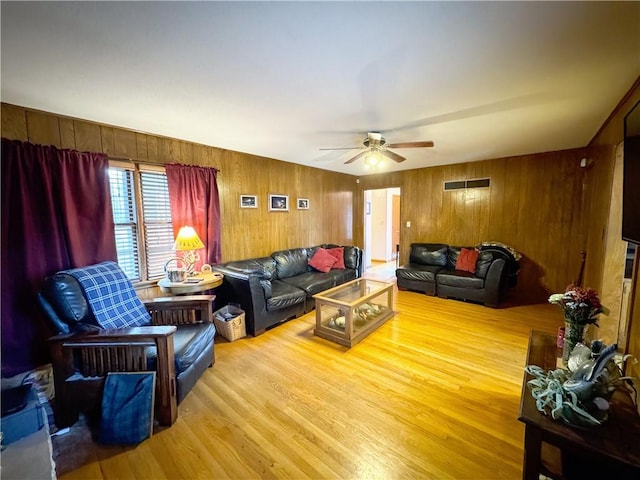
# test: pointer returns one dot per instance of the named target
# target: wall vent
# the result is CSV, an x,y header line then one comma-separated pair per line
x,y
460,184
455,185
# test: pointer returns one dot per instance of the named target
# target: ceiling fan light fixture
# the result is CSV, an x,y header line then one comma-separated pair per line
x,y
372,159
376,150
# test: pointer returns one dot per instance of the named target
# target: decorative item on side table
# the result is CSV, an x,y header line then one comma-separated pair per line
x,y
580,396
188,241
177,273
200,282
550,408
581,307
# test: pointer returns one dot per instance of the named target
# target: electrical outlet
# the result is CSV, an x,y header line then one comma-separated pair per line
x,y
408,224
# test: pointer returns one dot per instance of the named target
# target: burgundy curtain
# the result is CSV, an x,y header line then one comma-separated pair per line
x,y
193,193
56,214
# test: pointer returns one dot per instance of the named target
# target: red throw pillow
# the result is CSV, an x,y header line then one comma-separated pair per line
x,y
322,260
467,260
338,253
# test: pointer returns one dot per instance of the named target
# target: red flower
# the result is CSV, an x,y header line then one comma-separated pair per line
x,y
583,295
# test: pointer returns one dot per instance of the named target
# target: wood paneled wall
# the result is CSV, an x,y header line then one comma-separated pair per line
x,y
246,233
604,232
542,204
599,185
534,204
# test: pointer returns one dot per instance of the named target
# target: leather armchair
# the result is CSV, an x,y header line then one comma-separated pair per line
x,y
177,343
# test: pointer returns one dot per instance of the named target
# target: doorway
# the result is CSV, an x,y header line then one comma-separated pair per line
x,y
381,225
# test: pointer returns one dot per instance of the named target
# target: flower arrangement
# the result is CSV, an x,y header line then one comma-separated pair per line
x,y
581,306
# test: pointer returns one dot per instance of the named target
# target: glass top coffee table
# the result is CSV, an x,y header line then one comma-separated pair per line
x,y
349,312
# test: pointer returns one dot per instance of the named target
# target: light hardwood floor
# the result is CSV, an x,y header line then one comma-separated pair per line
x,y
432,394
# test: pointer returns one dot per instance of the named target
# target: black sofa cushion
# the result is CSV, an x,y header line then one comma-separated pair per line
x,y
290,263
352,258
312,282
418,272
263,266
460,279
284,295
452,256
341,276
429,254
483,264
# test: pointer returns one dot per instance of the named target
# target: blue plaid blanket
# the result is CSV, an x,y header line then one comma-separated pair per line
x,y
111,296
127,408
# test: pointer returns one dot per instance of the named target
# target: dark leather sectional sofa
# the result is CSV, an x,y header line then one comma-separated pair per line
x,y
432,269
281,286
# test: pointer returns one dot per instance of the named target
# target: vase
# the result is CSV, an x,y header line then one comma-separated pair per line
x,y
573,334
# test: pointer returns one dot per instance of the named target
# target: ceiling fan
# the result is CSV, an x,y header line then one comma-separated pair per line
x,y
375,145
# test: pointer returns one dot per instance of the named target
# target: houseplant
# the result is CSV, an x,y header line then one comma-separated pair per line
x,y
581,307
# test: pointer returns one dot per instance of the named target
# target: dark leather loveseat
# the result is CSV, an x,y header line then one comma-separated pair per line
x,y
432,269
281,286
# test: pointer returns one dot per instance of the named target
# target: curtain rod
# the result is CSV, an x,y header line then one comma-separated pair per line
x,y
133,160
148,162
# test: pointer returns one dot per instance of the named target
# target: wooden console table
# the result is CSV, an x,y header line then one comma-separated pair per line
x,y
616,443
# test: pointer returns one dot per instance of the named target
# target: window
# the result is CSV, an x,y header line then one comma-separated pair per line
x,y
142,218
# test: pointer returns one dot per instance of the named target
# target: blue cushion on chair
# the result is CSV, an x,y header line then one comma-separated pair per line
x,y
111,296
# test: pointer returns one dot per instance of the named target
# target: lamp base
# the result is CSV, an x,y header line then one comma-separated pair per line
x,y
190,258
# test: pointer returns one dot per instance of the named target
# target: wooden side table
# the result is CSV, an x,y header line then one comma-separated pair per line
x,y
207,281
614,444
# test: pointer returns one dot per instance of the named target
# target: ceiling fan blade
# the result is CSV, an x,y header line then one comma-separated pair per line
x,y
341,148
353,159
411,145
393,156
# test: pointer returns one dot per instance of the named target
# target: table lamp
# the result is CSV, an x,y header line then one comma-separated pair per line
x,y
188,241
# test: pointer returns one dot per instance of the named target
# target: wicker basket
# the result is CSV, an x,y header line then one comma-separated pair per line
x,y
229,322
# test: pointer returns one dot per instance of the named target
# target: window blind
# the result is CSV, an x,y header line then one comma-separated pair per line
x,y
158,229
123,203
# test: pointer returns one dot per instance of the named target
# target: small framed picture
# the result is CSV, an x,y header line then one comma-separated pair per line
x,y
248,201
278,203
303,204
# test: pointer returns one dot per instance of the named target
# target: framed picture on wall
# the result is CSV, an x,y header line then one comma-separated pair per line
x,y
303,204
248,201
278,203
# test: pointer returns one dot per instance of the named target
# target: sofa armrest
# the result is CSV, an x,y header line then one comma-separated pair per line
x,y
494,282
249,290
243,280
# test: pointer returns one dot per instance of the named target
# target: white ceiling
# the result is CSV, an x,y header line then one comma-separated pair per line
x,y
283,79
